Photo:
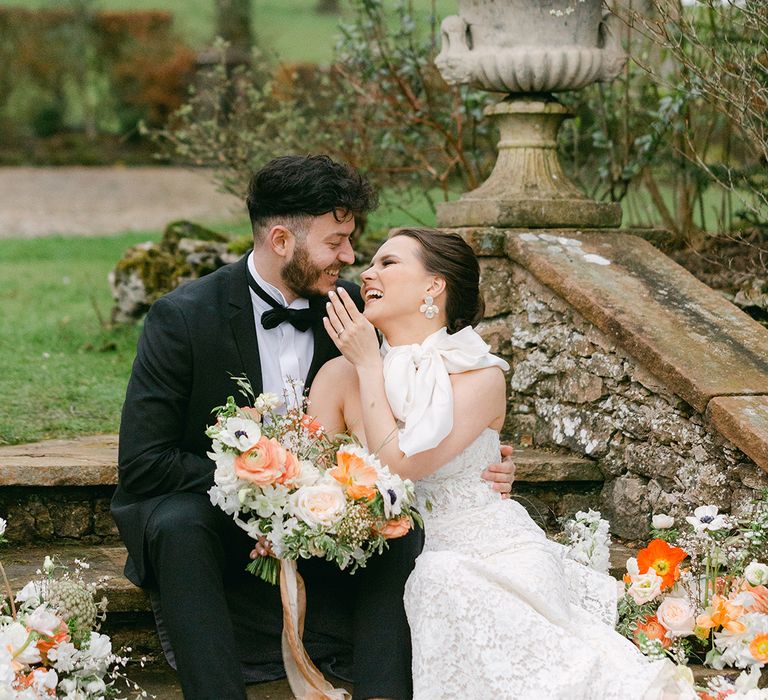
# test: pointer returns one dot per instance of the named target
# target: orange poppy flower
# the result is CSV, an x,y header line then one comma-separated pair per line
x,y
722,613
664,559
653,629
355,475
758,647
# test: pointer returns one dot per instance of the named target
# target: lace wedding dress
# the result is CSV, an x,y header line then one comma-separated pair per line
x,y
496,611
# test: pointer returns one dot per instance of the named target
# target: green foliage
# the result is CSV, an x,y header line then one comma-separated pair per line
x,y
382,107
688,115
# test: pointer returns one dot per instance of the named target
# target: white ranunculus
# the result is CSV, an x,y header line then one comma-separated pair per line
x,y
322,504
756,574
266,402
677,616
14,637
662,521
240,433
308,475
632,568
32,593
100,646
645,587
42,620
706,518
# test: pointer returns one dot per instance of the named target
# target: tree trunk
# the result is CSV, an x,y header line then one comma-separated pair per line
x,y
233,24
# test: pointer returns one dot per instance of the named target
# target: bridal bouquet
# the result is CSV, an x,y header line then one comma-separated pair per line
x,y
281,477
701,593
50,646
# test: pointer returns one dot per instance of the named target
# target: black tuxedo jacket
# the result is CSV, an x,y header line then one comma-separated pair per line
x,y
194,340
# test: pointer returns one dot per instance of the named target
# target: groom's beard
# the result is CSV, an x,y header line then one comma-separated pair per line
x,y
300,274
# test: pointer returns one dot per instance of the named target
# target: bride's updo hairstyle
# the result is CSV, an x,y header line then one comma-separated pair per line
x,y
448,256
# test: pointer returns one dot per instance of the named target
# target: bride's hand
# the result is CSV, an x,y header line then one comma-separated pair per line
x,y
351,332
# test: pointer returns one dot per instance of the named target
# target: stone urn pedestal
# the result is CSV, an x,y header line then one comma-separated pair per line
x,y
529,50
528,188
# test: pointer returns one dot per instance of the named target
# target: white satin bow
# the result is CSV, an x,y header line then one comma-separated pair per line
x,y
418,386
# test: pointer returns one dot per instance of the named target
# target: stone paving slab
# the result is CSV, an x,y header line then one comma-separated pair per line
x,y
690,337
744,421
83,461
163,683
21,563
102,200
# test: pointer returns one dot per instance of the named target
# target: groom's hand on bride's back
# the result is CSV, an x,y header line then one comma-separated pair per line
x,y
501,475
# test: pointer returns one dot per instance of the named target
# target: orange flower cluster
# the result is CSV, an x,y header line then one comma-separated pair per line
x,y
664,559
357,477
652,629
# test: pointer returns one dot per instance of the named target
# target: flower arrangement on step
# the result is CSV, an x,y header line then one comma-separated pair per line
x,y
282,478
50,646
700,593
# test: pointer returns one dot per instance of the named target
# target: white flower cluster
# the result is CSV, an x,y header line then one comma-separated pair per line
x,y
39,655
742,688
589,540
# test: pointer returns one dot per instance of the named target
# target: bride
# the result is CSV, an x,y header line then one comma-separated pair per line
x,y
495,609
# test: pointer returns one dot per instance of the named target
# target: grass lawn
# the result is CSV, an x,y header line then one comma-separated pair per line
x,y
290,28
62,372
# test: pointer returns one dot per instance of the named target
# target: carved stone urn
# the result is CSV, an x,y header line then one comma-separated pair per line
x,y
529,49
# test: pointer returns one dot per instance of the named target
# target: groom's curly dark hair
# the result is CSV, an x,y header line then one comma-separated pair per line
x,y
300,186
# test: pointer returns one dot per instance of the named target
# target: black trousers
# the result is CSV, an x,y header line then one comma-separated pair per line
x,y
219,619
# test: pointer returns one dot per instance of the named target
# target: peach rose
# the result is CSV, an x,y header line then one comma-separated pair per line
x,y
677,616
263,464
323,504
395,528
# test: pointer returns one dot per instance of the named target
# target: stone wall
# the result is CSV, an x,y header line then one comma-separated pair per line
x,y
572,386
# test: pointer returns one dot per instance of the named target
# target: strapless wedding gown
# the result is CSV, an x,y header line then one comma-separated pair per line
x,y
497,611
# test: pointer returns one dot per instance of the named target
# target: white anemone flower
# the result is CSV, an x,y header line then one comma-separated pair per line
x,y
707,518
240,433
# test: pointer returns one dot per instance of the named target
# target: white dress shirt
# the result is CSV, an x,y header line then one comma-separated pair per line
x,y
285,353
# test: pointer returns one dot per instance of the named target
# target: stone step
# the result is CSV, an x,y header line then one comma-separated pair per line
x,y
59,490
162,682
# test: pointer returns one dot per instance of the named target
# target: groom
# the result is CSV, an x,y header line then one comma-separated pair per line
x,y
261,317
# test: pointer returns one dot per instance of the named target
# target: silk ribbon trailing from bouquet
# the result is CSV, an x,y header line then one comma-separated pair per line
x,y
306,681
418,385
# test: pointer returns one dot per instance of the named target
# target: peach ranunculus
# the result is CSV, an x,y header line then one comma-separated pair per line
x,y
758,647
652,629
393,529
760,596
263,464
292,470
357,476
722,613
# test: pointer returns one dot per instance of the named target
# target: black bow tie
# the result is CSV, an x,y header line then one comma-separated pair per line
x,y
300,319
